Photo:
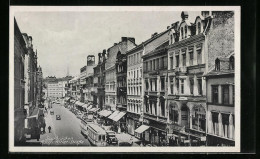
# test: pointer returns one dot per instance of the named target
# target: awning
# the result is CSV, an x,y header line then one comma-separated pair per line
x,y
107,113
89,107
118,116
101,112
85,106
114,114
34,113
93,109
79,103
142,128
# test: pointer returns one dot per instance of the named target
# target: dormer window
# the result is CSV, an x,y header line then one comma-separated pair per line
x,y
186,31
217,64
199,27
231,63
182,33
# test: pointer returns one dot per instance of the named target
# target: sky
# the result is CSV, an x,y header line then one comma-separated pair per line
x,y
64,39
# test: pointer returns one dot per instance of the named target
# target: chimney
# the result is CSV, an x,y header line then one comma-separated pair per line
x,y
184,15
99,57
132,40
168,27
104,54
115,44
123,39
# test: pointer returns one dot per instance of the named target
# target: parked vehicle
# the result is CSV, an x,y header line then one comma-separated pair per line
x,y
111,137
52,112
58,117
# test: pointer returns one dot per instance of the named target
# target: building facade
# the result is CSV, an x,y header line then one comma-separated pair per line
x,y
99,80
122,47
121,76
220,103
19,85
155,87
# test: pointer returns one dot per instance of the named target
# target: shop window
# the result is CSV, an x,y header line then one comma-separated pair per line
x,y
215,123
225,123
199,119
214,94
225,94
146,84
191,86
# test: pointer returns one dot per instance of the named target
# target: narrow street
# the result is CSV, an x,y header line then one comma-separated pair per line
x,y
65,131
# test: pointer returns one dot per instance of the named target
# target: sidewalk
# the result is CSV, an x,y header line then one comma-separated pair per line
x,y
47,137
124,137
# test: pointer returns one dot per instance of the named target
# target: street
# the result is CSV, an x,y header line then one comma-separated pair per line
x,y
65,131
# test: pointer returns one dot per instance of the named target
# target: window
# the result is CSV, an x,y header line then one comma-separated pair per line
x,y
200,86
171,62
199,57
165,59
155,84
171,85
162,107
191,57
191,86
182,33
184,59
199,27
157,64
182,86
214,94
186,31
154,65
231,63
171,39
140,72
233,94
217,64
225,94
177,61
177,85
151,85
162,83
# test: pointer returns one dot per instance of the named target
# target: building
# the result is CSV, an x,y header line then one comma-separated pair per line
x,y
56,87
220,102
40,86
190,56
155,76
86,80
122,47
121,78
99,80
19,85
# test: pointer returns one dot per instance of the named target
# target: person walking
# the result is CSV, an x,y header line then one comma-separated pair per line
x,y
49,129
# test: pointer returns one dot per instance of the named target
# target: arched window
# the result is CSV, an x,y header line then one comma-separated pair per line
x,y
199,27
231,63
186,30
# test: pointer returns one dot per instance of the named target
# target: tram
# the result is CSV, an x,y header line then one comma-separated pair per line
x,y
83,126
96,135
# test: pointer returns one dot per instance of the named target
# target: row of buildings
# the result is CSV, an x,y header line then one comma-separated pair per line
x,y
27,87
177,86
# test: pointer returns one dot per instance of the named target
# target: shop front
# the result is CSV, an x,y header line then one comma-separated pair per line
x,y
132,122
158,134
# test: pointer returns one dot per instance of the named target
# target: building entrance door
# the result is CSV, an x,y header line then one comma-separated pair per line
x,y
184,116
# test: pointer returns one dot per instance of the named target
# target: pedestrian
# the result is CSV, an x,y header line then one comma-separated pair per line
x,y
131,140
49,129
41,130
44,127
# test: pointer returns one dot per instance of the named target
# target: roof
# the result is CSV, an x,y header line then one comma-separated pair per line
x,y
221,72
97,128
149,40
